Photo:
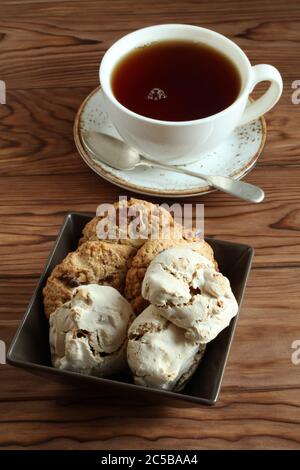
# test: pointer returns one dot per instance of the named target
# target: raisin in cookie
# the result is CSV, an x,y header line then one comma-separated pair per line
x,y
93,262
144,256
135,222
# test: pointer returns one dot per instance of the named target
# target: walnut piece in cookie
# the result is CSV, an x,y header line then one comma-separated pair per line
x,y
144,256
133,222
93,262
88,334
188,291
158,352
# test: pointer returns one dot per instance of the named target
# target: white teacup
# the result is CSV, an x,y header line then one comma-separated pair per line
x,y
179,141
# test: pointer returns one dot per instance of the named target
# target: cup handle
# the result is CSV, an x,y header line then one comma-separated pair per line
x,y
257,108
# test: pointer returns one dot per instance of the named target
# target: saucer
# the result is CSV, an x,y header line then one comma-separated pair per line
x,y
235,157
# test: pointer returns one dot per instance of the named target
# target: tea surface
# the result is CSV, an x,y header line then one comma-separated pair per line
x,y
176,81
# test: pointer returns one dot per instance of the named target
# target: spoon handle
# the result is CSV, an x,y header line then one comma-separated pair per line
x,y
240,189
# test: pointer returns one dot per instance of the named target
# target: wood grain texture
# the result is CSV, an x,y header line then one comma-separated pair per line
x,y
50,52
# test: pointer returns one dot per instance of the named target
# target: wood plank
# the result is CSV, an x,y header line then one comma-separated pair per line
x,y
38,33
246,424
37,125
272,228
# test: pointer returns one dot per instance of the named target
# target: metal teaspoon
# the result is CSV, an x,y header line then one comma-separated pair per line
x,y
119,155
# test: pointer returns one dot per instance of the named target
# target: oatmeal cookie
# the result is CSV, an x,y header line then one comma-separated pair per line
x,y
94,262
145,216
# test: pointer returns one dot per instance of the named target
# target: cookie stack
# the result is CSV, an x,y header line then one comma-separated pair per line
x,y
172,285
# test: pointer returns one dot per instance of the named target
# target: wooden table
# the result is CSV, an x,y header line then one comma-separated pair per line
x,y
49,57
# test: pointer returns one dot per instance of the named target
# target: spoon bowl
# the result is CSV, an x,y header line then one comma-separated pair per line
x,y
110,150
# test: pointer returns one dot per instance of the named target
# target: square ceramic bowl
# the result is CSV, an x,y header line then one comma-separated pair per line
x,y
30,346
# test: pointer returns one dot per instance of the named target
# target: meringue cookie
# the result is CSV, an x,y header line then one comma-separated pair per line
x,y
88,334
190,293
158,352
